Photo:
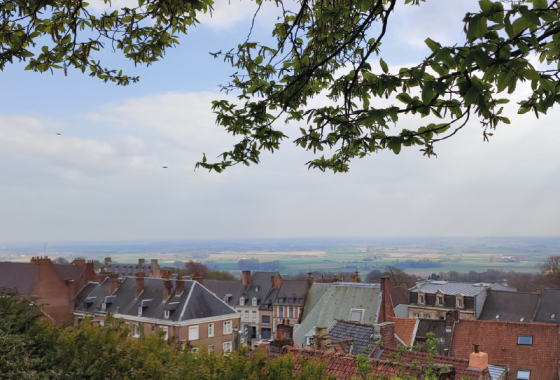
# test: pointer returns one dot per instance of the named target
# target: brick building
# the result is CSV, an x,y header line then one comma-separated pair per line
x,y
288,304
55,286
151,269
185,310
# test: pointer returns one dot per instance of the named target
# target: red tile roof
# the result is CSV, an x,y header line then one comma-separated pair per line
x,y
344,367
405,328
499,341
343,346
462,370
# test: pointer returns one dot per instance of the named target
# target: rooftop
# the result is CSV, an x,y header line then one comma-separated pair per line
x,y
451,288
360,334
405,329
509,307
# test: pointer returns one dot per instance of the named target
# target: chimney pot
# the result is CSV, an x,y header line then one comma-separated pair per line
x,y
478,360
141,261
246,278
198,279
179,285
114,282
139,283
167,287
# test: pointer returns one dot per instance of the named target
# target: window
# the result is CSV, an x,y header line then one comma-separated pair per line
x,y
266,319
210,348
416,315
459,302
139,311
427,316
242,301
523,374
291,310
522,319
246,314
280,300
227,327
136,331
166,314
356,315
309,341
420,299
553,316
525,340
103,306
227,346
210,330
440,300
154,327
254,315
101,323
281,312
166,331
226,299
254,301
193,332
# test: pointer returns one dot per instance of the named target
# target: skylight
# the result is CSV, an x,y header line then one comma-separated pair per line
x,y
523,374
553,316
525,340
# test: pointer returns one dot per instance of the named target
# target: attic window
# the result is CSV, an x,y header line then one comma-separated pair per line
x,y
356,315
166,314
280,300
421,299
140,311
525,340
523,374
257,288
553,316
254,301
241,301
522,319
498,316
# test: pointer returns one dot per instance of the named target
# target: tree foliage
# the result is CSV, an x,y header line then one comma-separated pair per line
x,y
327,49
550,269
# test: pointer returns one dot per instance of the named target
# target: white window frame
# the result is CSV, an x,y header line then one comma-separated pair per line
x,y
415,315
246,314
210,348
281,311
241,301
254,301
227,346
210,330
166,330
421,299
291,312
194,333
166,314
362,312
103,306
528,371
254,315
227,327
139,311
136,330
440,300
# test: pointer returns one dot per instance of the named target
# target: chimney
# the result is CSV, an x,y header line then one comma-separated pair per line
x,y
343,277
139,283
71,291
114,282
198,279
277,281
167,286
79,261
102,276
352,277
141,261
451,317
335,278
321,341
155,270
246,278
385,332
179,285
107,259
478,360
386,310
372,281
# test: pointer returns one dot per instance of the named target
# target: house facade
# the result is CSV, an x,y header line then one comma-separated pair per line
x,y
258,287
288,304
185,310
433,299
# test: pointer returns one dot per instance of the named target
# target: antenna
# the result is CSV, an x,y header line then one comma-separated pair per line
x,y
45,249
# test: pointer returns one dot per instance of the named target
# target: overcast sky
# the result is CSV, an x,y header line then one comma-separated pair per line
x,y
102,179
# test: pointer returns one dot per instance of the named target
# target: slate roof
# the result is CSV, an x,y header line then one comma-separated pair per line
x,y
510,307
462,370
70,271
314,294
343,366
261,282
361,335
450,288
18,277
549,304
503,288
345,346
128,269
499,341
84,292
405,329
436,327
268,303
222,288
291,290
401,311
399,295
194,302
336,303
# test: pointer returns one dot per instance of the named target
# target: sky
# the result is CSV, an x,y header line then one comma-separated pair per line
x,y
103,177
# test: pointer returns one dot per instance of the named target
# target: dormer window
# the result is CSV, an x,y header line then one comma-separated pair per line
x,y
140,308
254,301
166,314
421,299
241,301
553,316
440,300
257,288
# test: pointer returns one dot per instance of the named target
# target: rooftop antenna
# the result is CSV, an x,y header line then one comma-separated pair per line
x,y
310,273
45,249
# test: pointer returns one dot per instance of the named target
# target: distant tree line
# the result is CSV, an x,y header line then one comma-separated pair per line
x,y
254,264
425,263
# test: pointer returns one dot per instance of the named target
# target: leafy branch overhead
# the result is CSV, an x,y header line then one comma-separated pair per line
x,y
326,49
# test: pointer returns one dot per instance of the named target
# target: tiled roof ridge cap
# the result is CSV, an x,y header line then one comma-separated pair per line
x,y
353,323
555,325
507,292
402,318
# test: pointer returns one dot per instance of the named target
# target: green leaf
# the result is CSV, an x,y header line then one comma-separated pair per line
x,y
540,4
485,6
482,59
530,16
395,144
477,27
434,46
259,60
440,88
384,66
471,96
427,93
530,73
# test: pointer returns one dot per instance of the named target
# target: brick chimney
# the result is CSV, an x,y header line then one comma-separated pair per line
x,y
343,277
102,276
91,276
139,283
385,332
79,261
321,341
179,285
107,259
352,277
478,360
246,278
198,279
335,278
71,291
141,261
114,282
155,271
276,281
167,286
451,317
386,309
